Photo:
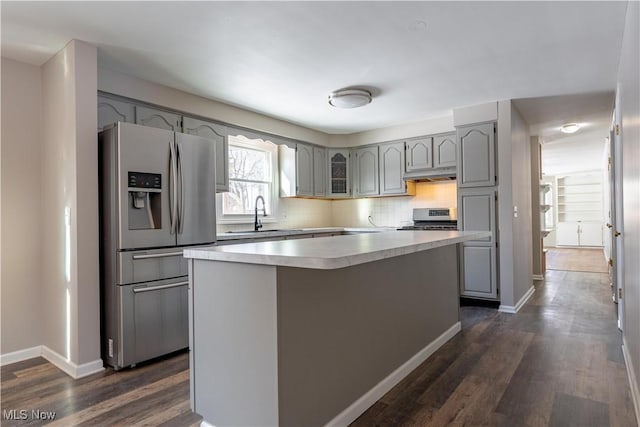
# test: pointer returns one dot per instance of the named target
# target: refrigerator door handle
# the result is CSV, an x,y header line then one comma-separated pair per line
x,y
181,184
173,197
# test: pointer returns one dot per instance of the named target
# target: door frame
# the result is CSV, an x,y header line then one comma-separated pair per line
x,y
618,226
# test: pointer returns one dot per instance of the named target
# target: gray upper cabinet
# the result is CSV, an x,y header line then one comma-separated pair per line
x,y
476,155
217,133
366,172
339,172
319,171
304,170
391,165
111,111
478,258
419,154
158,119
444,151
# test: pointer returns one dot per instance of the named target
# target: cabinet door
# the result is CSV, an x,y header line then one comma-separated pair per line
x,y
111,111
391,162
476,155
367,172
567,234
478,271
477,212
419,154
158,119
444,151
590,234
217,133
478,261
319,171
304,170
339,169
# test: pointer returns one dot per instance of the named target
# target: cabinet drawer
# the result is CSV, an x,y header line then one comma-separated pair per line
x,y
144,266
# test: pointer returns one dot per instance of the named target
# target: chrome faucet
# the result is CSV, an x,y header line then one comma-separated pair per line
x,y
257,225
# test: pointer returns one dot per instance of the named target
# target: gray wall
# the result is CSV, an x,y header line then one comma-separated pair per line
x,y
340,332
514,189
521,177
21,206
70,280
629,102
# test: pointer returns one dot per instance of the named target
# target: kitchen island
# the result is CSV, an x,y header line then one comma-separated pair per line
x,y
314,331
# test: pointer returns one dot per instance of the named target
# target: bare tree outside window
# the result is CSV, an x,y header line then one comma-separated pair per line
x,y
250,175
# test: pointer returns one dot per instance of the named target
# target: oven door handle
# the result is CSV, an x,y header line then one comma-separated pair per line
x,y
159,287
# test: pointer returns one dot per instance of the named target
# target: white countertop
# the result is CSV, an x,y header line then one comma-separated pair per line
x,y
336,251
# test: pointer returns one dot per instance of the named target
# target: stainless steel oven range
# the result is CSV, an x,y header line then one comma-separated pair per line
x,y
433,219
157,191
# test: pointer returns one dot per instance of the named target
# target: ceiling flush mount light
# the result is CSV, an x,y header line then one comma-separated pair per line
x,y
570,128
349,98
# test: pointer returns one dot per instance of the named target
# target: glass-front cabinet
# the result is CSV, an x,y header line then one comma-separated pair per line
x,y
339,179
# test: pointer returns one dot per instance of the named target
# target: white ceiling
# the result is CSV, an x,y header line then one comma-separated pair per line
x,y
283,58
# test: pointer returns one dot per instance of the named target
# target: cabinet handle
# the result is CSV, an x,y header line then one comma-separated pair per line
x,y
617,233
159,287
609,225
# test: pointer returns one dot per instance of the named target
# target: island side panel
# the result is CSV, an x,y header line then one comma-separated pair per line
x,y
234,343
340,332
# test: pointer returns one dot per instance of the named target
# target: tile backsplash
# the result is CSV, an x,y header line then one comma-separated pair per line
x,y
393,211
384,211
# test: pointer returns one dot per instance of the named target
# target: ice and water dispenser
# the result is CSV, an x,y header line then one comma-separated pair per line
x,y
145,200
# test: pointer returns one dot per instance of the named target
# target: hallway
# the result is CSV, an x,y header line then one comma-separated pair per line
x,y
558,362
576,259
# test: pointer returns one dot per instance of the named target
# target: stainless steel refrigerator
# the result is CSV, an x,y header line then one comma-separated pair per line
x,y
157,197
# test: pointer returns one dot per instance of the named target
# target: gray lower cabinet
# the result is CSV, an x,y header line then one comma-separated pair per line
x,y
419,154
158,119
392,158
444,151
476,155
366,181
339,172
319,171
478,258
217,133
111,111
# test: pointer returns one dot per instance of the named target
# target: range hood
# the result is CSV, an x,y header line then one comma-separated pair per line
x,y
433,175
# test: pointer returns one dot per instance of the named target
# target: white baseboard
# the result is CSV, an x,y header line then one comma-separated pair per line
x,y
515,308
538,277
358,407
633,380
70,368
203,423
20,355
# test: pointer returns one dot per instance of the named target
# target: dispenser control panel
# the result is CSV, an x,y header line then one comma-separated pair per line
x,y
145,180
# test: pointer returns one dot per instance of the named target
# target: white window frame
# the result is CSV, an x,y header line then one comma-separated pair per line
x,y
255,144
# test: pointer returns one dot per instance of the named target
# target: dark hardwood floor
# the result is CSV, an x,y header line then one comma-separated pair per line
x,y
558,362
